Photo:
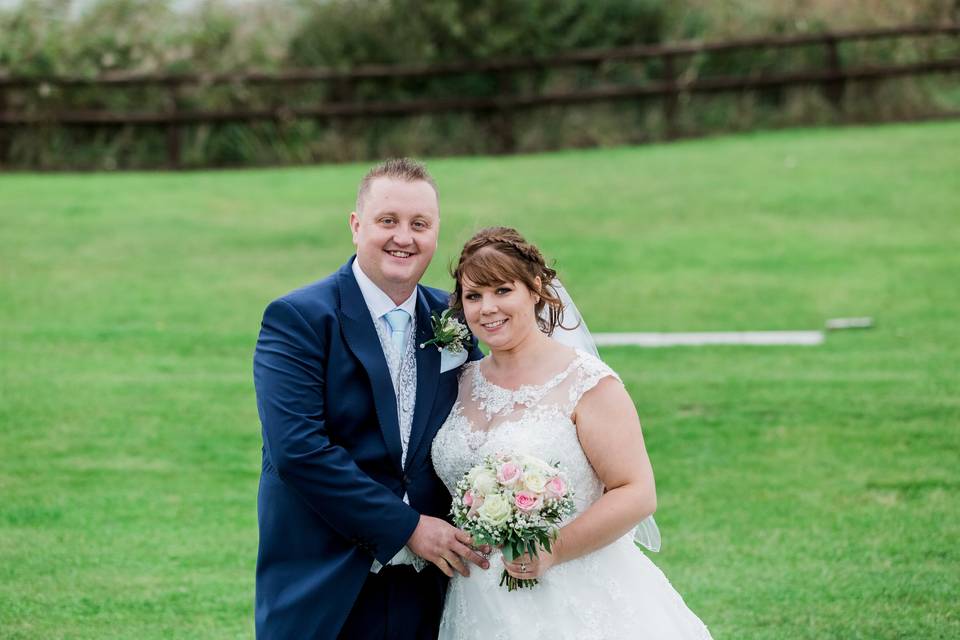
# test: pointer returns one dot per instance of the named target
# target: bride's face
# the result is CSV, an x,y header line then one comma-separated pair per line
x,y
503,315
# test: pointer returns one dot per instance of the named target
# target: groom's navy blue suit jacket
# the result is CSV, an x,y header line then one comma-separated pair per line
x,y
332,483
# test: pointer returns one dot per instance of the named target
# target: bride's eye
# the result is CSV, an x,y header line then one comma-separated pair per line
x,y
503,290
472,296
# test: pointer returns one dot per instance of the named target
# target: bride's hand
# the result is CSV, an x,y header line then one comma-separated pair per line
x,y
527,567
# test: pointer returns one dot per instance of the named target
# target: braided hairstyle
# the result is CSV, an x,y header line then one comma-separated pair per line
x,y
496,255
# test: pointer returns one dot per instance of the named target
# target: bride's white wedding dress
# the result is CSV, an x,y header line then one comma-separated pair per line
x,y
615,592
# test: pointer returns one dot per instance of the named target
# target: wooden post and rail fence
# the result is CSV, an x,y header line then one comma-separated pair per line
x,y
669,86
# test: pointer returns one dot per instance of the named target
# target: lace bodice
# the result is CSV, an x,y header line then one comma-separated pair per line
x,y
534,419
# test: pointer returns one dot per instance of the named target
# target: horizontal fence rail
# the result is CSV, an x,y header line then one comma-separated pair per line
x,y
593,56
414,107
832,75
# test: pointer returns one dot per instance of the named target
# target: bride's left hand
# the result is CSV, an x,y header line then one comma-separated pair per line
x,y
527,567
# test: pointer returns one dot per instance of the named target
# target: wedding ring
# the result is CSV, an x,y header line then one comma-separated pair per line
x,y
523,568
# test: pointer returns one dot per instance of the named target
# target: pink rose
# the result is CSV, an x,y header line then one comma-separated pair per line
x,y
508,474
477,502
527,501
468,499
556,487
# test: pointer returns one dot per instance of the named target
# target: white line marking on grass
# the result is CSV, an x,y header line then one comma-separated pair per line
x,y
762,338
835,324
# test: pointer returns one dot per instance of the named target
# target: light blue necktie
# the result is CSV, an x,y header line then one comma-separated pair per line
x,y
399,321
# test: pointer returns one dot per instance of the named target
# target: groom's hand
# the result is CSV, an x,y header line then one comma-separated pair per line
x,y
444,545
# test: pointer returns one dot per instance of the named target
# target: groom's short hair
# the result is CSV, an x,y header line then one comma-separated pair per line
x,y
406,169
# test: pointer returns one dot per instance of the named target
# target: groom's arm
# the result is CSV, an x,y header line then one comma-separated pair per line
x,y
288,375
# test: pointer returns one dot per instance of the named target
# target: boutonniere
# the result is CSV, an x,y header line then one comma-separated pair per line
x,y
448,332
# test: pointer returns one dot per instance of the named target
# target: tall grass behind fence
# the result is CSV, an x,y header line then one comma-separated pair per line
x,y
128,36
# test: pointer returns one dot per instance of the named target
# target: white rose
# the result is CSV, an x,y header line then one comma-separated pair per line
x,y
495,510
474,472
482,481
534,481
536,464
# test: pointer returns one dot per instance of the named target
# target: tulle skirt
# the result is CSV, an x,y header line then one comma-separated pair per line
x,y
615,592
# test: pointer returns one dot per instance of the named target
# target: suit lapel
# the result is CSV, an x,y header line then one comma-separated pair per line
x,y
361,337
428,372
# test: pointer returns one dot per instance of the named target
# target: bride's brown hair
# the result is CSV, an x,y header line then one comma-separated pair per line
x,y
498,255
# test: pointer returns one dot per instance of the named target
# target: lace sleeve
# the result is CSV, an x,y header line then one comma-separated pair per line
x,y
590,371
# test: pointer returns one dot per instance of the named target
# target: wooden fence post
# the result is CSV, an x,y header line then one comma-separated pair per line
x,y
6,131
342,90
671,99
173,127
834,89
501,119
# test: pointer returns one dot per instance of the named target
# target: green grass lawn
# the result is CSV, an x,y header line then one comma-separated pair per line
x,y
805,492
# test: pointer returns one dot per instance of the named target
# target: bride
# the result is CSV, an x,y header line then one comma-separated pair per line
x,y
537,396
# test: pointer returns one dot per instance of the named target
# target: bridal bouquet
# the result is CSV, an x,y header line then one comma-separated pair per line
x,y
513,502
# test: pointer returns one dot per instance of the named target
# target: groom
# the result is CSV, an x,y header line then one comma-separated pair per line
x,y
349,505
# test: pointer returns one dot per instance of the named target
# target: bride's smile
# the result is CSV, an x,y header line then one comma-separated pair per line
x,y
502,314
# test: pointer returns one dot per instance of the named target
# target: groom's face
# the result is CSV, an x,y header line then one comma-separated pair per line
x,y
396,233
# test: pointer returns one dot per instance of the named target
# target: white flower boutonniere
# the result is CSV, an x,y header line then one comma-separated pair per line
x,y
448,333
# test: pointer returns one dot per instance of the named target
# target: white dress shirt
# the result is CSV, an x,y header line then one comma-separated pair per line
x,y
403,372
